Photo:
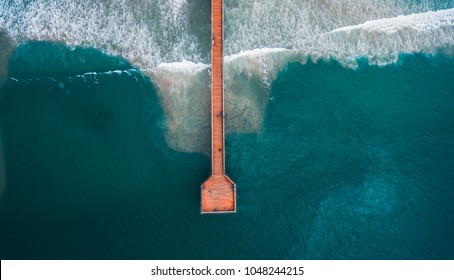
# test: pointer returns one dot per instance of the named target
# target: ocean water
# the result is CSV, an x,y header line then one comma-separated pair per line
x,y
340,122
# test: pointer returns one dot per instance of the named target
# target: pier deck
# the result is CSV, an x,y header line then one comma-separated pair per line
x,y
218,193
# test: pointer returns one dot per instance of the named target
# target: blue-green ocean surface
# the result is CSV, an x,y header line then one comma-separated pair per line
x,y
348,164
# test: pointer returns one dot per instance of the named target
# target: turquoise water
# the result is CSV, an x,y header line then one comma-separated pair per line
x,y
348,164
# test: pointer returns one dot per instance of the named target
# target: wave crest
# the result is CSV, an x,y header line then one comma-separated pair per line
x,y
381,41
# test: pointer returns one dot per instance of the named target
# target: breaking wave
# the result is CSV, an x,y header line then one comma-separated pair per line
x,y
144,32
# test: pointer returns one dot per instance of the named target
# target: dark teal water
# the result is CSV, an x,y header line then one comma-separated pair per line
x,y
350,164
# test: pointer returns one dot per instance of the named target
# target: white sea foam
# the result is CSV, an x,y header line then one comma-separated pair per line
x,y
381,41
177,9
145,32
261,37
150,32
183,66
297,24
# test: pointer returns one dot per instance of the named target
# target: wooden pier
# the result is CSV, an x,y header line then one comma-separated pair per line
x,y
218,193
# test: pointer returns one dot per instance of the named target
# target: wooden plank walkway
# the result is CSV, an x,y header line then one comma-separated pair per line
x,y
218,193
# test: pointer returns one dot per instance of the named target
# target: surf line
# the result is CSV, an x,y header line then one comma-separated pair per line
x,y
218,193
